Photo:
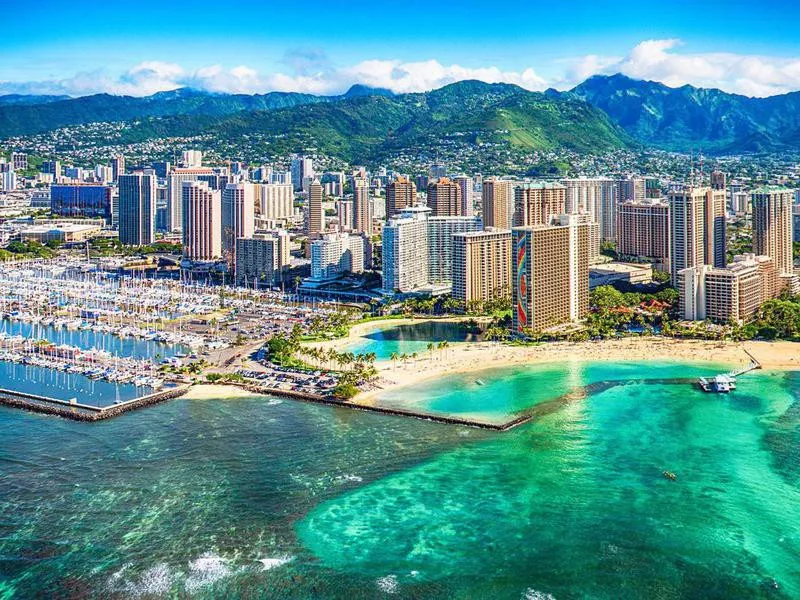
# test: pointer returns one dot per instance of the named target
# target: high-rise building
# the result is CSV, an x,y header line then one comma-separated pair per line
x,y
202,221
19,160
727,295
538,203
362,206
718,180
344,211
177,177
261,259
275,200
595,196
315,214
335,254
404,255
631,189
192,159
482,266
643,231
400,195
137,209
497,199
238,215
440,244
697,228
302,169
54,168
444,198
465,185
438,171
81,200
117,167
550,274
772,226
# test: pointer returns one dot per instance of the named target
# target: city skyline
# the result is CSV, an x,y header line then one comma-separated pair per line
x,y
150,49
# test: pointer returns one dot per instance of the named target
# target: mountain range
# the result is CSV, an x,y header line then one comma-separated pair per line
x,y
603,112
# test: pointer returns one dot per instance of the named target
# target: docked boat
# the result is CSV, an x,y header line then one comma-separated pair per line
x,y
720,384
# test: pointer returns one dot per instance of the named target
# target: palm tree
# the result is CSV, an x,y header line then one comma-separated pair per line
x,y
393,357
430,348
414,356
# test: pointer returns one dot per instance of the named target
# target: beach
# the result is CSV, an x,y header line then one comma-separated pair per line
x,y
470,357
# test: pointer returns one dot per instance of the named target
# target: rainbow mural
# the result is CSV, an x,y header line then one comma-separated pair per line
x,y
522,281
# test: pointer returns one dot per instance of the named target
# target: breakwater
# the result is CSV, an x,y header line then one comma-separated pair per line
x,y
83,412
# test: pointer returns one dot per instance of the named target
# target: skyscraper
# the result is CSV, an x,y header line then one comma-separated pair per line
x,y
276,200
697,228
497,197
444,198
335,254
550,274
362,206
537,203
772,226
595,196
261,258
400,194
117,167
465,185
643,231
315,214
482,266
440,244
175,193
718,180
405,256
238,215
202,221
137,209
302,168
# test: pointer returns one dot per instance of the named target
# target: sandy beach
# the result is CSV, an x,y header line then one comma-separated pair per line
x,y
464,358
206,391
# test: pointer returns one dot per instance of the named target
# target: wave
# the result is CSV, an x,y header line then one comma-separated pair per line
x,y
532,594
388,584
205,570
272,563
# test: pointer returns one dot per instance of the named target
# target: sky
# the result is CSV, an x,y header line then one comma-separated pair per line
x,y
138,48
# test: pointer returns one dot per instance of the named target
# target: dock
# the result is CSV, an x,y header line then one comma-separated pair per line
x,y
726,382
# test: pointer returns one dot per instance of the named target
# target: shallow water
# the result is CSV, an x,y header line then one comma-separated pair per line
x,y
260,498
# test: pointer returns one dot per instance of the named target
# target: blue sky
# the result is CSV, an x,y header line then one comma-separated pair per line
x,y
248,46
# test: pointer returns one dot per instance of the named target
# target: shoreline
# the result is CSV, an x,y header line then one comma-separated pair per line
x,y
481,356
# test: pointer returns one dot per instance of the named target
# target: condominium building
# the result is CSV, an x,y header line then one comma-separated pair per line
x,y
697,228
315,214
718,180
727,295
202,221
344,210
537,203
643,231
335,254
19,160
274,200
550,274
175,193
440,244
137,209
261,259
444,198
192,158
465,185
497,199
362,206
631,189
404,253
595,196
772,226
481,266
117,167
400,195
593,227
238,215
302,170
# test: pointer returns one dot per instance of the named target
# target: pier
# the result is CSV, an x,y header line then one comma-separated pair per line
x,y
72,409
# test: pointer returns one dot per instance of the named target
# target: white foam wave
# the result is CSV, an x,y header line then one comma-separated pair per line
x,y
156,581
274,402
532,594
388,584
205,570
272,563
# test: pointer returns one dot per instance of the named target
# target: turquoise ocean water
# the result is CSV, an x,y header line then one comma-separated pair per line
x,y
262,498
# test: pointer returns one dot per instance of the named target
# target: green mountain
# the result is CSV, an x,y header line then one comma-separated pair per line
x,y
363,127
687,117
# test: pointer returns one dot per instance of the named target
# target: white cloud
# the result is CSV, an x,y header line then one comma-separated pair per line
x,y
311,71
